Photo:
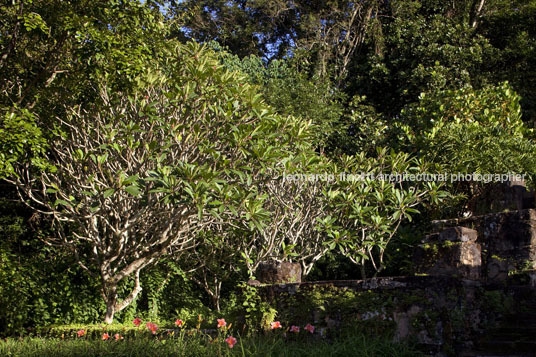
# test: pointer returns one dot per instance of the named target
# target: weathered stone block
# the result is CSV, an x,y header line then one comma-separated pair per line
x,y
458,234
279,272
453,252
508,240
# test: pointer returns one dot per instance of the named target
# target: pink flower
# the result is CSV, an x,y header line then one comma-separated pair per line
x,y
275,324
105,336
231,341
81,333
309,328
221,323
152,327
179,322
137,321
118,337
295,329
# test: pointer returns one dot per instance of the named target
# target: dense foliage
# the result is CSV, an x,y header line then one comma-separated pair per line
x,y
146,146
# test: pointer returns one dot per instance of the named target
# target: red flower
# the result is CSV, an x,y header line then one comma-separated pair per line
x,y
81,333
105,336
309,328
137,321
275,324
231,341
118,337
152,327
179,323
295,329
221,323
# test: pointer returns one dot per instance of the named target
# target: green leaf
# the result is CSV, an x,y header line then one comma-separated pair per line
x,y
62,202
133,190
108,192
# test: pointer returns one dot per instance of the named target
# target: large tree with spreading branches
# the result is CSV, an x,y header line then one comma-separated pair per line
x,y
136,175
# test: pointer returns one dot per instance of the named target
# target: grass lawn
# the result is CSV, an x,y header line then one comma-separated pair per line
x,y
202,345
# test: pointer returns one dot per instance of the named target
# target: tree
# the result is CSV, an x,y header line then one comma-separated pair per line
x,y
471,127
510,28
53,50
371,199
469,131
139,174
419,53
332,30
291,230
51,53
216,259
20,140
289,87
295,228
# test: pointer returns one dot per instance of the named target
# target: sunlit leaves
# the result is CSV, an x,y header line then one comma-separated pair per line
x,y
469,131
369,206
21,140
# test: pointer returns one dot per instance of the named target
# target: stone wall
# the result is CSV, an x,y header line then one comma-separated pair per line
x,y
474,289
507,241
474,276
443,315
453,252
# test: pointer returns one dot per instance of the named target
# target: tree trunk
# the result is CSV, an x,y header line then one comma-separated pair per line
x,y
110,312
476,12
216,302
363,270
216,296
110,297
